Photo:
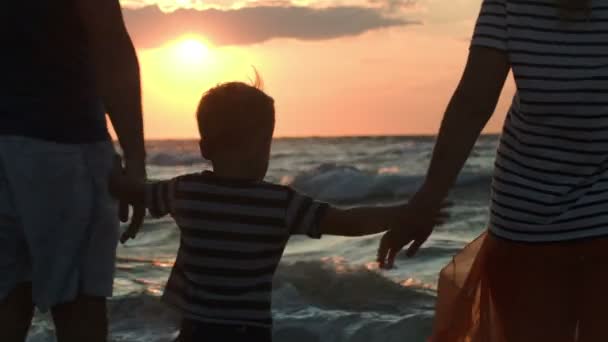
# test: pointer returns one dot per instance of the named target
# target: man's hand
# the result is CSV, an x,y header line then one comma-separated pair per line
x,y
416,224
128,186
135,170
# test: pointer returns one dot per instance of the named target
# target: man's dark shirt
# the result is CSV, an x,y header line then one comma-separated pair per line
x,y
47,83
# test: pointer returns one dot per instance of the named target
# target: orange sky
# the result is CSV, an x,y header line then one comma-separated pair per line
x,y
394,80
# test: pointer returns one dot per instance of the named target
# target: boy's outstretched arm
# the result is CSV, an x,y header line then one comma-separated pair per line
x,y
364,220
357,221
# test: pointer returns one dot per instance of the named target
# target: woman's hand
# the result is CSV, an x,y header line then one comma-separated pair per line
x,y
469,110
415,226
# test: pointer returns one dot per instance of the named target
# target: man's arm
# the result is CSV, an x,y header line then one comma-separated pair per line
x,y
117,71
157,196
118,81
125,188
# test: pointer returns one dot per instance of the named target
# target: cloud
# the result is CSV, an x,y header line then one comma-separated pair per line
x,y
395,5
151,27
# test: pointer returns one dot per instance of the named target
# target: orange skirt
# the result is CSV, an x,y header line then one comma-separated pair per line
x,y
501,291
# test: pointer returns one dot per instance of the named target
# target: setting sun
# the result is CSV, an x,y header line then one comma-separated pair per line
x,y
191,52
175,75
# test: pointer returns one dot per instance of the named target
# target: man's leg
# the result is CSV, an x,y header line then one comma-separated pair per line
x,y
84,319
16,307
16,313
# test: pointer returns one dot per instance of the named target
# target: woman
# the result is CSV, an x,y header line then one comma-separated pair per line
x,y
537,275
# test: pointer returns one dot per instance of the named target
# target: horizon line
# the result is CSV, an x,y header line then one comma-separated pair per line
x,y
286,137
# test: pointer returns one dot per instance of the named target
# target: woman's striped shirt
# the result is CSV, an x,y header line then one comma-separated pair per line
x,y
551,173
233,235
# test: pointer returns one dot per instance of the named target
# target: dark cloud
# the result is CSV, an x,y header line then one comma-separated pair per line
x,y
150,27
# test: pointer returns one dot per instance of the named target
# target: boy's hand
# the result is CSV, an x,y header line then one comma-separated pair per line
x,y
415,225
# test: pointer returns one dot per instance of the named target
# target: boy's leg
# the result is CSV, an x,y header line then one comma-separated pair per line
x,y
16,313
84,319
199,331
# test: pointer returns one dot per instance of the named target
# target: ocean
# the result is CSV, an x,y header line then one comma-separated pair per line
x,y
328,290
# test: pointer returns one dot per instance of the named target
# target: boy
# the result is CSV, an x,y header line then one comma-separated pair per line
x,y
234,225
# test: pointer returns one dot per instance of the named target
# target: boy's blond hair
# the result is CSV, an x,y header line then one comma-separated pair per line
x,y
235,113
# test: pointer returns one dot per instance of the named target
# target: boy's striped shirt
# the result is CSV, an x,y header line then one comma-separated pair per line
x,y
233,235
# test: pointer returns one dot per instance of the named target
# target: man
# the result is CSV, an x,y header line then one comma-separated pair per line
x,y
64,65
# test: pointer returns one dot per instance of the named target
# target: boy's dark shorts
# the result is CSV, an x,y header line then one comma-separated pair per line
x,y
193,331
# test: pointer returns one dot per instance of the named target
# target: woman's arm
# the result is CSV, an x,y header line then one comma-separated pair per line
x,y
472,105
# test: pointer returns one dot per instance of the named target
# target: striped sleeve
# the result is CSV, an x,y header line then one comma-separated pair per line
x,y
159,197
304,215
491,27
